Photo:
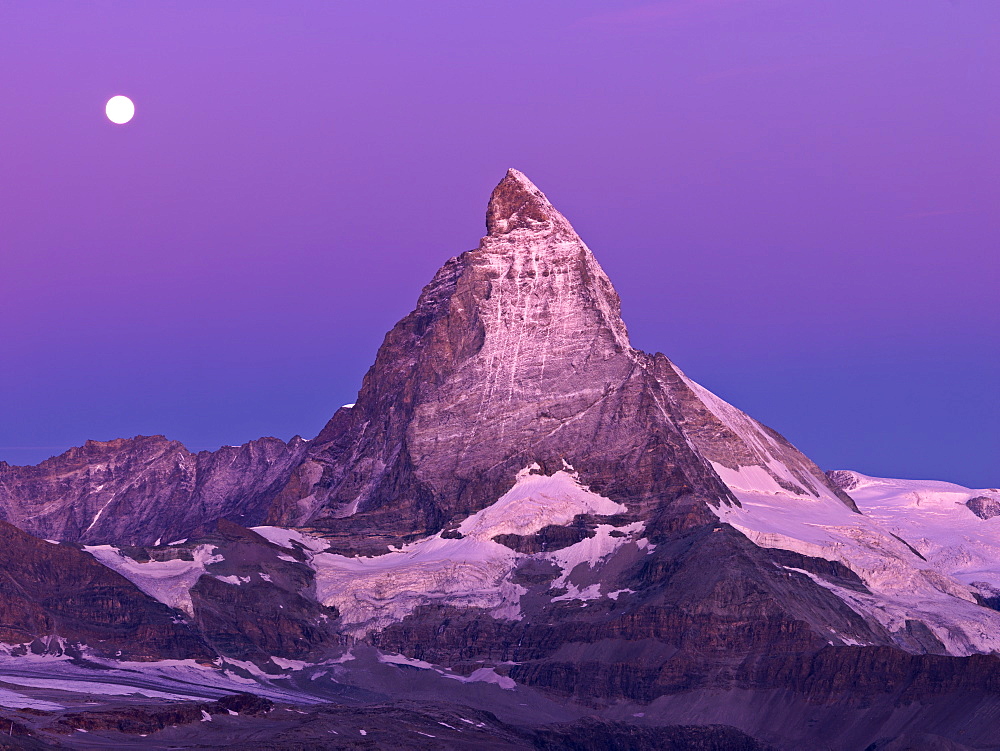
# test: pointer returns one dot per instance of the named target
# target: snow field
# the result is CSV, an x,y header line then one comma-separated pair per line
x,y
958,546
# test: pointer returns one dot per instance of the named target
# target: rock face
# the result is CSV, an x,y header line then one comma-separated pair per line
x,y
55,598
516,353
140,490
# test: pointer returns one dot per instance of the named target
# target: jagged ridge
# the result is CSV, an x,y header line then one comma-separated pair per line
x,y
138,491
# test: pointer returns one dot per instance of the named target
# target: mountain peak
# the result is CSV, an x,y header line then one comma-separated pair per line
x,y
516,355
517,203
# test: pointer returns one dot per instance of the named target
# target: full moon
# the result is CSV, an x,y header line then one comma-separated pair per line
x,y
120,109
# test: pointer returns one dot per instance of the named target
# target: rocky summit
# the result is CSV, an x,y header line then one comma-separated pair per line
x,y
525,533
517,354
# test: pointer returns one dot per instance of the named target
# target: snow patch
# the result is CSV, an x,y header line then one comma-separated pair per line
x,y
404,660
169,582
932,516
174,679
14,700
535,502
592,592
374,592
754,479
590,552
285,538
90,687
485,675
346,657
290,664
470,571
237,580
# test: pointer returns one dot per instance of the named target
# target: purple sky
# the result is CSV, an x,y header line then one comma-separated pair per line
x,y
799,203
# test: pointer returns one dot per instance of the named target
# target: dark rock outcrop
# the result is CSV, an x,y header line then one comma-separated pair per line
x,y
53,597
595,735
547,539
985,507
141,720
859,676
254,605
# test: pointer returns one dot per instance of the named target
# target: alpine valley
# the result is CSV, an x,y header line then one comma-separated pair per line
x,y
525,534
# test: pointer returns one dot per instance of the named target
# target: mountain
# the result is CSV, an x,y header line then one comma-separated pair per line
x,y
517,354
521,522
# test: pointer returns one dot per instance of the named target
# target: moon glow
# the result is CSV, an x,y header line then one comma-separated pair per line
x,y
119,109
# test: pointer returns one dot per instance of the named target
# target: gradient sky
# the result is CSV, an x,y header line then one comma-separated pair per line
x,y
798,202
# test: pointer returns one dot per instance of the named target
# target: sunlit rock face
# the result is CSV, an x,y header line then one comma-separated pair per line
x,y
517,353
56,599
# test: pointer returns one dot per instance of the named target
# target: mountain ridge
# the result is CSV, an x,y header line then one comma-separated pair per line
x,y
143,490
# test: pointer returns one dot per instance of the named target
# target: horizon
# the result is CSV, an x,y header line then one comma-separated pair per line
x,y
799,208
